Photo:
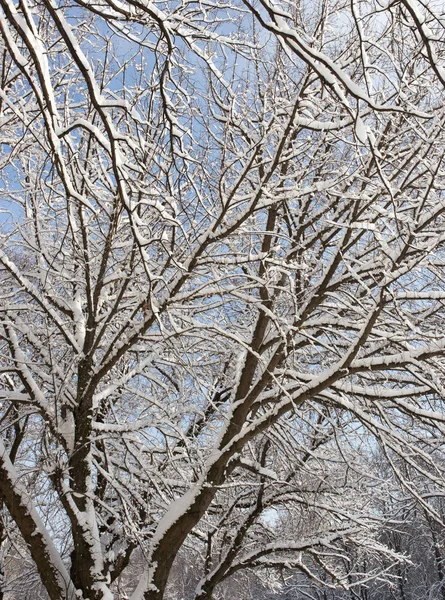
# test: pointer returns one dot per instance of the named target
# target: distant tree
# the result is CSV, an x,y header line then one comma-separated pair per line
x,y
222,288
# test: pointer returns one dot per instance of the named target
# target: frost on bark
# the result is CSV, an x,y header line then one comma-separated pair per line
x,y
222,290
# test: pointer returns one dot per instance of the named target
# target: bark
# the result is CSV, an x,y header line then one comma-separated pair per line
x,y
49,564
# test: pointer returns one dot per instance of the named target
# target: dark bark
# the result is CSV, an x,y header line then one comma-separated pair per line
x,y
20,512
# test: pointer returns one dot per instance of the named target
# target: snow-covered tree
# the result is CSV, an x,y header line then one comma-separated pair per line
x,y
222,287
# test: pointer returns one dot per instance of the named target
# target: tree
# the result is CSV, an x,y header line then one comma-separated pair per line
x,y
222,263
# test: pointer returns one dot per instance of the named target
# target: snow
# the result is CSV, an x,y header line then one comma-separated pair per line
x,y
35,293
144,585
192,303
66,429
56,562
105,591
79,319
175,511
361,131
269,473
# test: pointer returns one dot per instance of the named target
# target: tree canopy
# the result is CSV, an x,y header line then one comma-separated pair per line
x,y
222,291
